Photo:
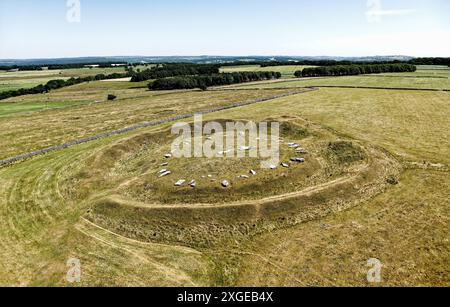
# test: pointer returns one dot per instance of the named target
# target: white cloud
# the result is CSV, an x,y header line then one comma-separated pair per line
x,y
376,12
391,12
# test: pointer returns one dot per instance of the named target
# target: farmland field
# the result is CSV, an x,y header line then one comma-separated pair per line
x,y
374,184
286,71
28,79
422,79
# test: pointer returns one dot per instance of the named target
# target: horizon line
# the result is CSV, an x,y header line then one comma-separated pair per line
x,y
209,55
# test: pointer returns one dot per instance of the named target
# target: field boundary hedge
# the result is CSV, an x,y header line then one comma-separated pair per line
x,y
354,70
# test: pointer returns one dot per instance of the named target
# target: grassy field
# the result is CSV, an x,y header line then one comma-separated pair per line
x,y
411,125
286,71
28,79
81,94
41,229
15,84
7,110
405,228
374,185
423,79
369,80
87,118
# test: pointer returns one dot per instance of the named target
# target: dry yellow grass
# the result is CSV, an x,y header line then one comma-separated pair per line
x,y
406,228
32,131
41,229
322,235
414,126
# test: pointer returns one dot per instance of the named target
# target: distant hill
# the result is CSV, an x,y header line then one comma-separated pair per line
x,y
192,59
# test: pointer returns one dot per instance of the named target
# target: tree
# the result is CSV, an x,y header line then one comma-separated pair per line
x,y
353,70
205,81
174,70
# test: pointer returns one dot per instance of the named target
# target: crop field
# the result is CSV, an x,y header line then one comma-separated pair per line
x,y
374,183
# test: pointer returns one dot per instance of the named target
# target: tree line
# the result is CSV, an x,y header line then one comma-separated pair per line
x,y
327,63
57,84
61,66
416,61
309,63
205,81
431,61
351,70
174,70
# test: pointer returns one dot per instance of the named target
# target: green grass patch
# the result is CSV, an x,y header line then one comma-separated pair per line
x,y
287,71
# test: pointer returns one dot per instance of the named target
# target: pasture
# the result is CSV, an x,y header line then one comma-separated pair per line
x,y
421,80
286,71
28,79
374,185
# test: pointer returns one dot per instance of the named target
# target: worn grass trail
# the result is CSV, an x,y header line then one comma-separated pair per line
x,y
41,230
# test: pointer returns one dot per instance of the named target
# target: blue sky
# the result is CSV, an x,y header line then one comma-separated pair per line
x,y
37,29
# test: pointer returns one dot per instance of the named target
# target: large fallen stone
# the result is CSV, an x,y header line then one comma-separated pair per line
x,y
164,174
285,165
244,148
168,156
225,183
222,153
253,172
193,184
298,160
180,183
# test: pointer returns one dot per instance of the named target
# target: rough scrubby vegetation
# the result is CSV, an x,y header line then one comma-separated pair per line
x,y
345,152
